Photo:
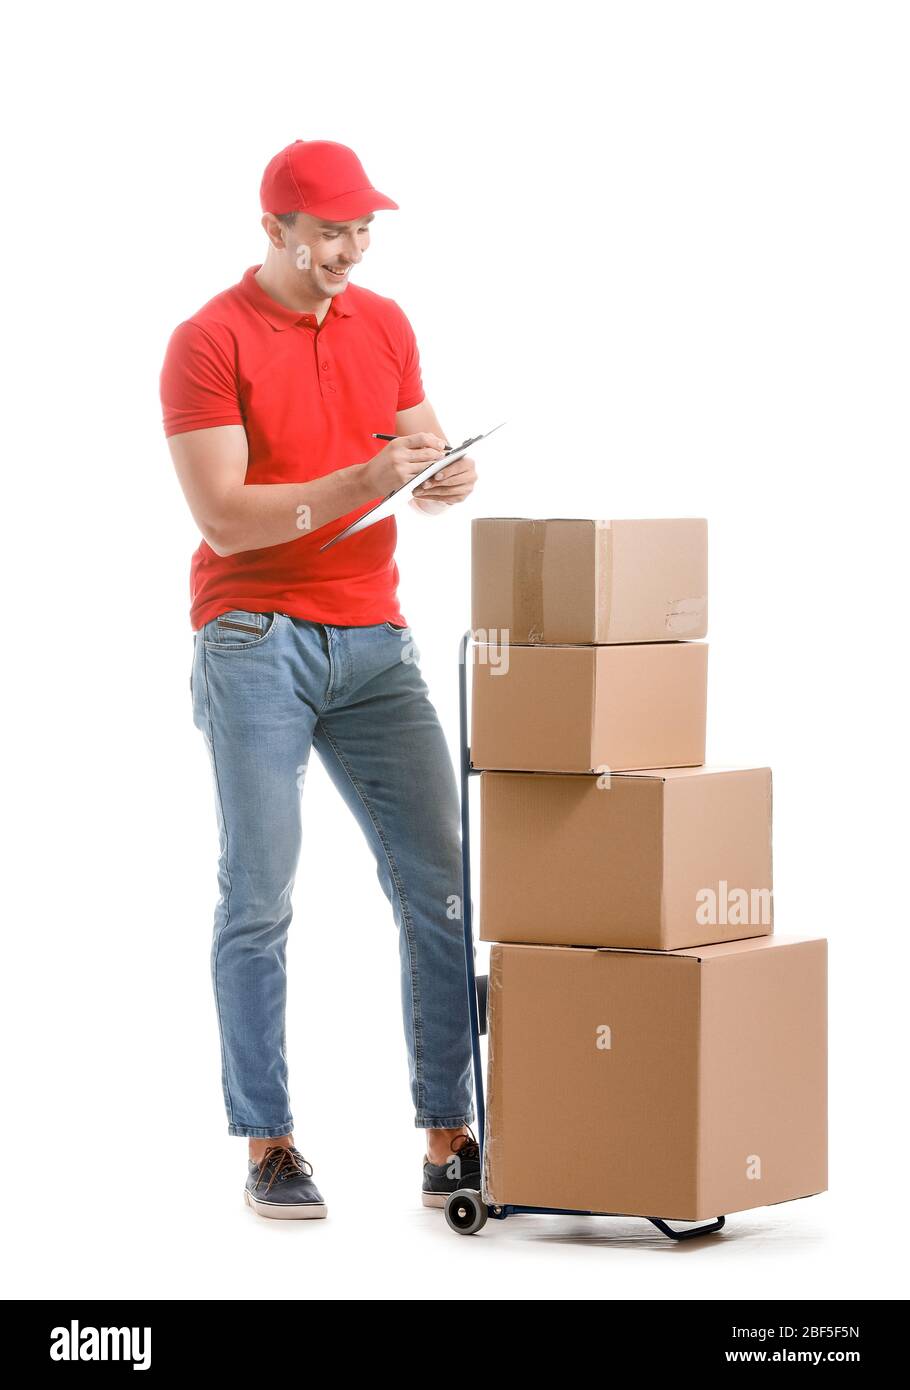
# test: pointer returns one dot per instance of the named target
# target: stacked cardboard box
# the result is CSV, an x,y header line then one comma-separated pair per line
x,y
655,1047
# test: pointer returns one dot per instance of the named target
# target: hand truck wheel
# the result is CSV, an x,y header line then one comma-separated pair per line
x,y
465,1212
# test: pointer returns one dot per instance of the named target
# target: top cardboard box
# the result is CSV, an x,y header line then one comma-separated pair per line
x,y
564,580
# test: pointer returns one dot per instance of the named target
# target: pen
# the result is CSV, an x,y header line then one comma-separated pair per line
x,y
448,448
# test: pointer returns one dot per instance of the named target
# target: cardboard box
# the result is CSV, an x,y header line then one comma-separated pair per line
x,y
586,709
661,859
684,1085
565,580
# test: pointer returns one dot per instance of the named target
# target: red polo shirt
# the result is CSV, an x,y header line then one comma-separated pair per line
x,y
309,397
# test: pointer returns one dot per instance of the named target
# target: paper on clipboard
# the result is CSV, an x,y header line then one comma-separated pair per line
x,y
396,500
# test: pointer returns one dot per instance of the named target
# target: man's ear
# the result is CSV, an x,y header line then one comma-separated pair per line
x,y
273,230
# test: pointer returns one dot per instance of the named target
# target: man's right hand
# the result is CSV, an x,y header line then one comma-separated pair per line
x,y
234,515
401,460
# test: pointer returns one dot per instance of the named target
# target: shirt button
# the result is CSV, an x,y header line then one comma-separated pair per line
x,y
325,366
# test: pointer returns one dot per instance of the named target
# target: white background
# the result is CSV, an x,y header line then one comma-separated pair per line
x,y
668,243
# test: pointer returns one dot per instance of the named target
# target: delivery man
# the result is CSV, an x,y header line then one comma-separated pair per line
x,y
271,395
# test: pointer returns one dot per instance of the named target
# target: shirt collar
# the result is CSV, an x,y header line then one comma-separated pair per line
x,y
279,315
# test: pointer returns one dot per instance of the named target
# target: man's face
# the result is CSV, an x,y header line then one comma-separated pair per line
x,y
324,253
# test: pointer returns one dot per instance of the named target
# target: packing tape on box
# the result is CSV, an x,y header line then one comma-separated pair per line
x,y
685,614
527,581
491,1143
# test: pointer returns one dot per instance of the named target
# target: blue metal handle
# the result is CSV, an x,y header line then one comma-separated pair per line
x,y
466,911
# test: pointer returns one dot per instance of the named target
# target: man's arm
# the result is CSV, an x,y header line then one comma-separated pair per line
x,y
449,485
234,516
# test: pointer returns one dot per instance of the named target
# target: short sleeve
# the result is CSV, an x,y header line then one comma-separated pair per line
x,y
410,388
198,384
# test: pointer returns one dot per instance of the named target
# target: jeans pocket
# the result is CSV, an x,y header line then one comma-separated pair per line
x,y
239,627
392,627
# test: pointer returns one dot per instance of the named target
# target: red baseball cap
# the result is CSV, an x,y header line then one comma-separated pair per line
x,y
321,178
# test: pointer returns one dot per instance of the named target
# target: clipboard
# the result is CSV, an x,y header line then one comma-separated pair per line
x,y
394,501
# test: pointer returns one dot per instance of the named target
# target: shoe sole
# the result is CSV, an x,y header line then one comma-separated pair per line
x,y
437,1199
302,1211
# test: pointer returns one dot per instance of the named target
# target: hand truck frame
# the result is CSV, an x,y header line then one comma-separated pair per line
x,y
467,1210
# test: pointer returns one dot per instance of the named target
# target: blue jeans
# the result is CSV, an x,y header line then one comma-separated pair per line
x,y
266,688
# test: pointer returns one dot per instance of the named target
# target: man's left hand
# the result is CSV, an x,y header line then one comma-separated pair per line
x,y
451,484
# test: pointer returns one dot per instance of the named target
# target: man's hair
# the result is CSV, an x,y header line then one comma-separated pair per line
x,y
287,219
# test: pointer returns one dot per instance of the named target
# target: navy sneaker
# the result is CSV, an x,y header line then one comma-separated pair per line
x,y
281,1185
461,1170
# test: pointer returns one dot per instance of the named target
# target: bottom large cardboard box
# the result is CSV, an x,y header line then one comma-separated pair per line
x,y
680,1084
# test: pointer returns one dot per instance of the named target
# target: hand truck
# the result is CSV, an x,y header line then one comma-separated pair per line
x,y
466,1209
